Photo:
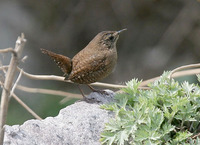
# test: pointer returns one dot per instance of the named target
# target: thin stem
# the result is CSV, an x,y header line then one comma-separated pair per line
x,y
6,50
144,83
175,74
183,67
26,107
15,84
47,91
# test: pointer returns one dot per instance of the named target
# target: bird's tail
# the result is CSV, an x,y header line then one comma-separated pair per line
x,y
63,62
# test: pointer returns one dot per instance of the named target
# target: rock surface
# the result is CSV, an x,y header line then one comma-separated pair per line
x,y
77,124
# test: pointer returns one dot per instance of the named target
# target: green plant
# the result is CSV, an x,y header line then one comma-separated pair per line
x,y
167,113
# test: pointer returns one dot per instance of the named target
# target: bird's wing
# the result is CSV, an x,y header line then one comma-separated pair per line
x,y
88,68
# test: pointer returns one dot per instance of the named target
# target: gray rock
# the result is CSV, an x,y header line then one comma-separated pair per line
x,y
103,97
77,124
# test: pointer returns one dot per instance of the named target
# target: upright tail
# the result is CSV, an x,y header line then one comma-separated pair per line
x,y
63,62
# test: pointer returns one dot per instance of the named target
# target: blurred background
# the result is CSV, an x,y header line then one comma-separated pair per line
x,y
161,35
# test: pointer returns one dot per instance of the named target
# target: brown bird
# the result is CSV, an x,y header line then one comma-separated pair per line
x,y
93,63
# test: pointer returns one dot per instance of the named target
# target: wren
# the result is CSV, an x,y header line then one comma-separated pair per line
x,y
93,63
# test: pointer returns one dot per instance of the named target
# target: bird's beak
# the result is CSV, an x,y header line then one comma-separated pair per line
x,y
121,30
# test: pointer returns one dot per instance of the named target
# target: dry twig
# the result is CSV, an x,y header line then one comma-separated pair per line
x,y
47,91
60,78
183,67
15,84
174,74
6,50
8,83
26,107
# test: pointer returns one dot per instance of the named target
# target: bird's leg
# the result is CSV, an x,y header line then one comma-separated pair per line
x,y
96,90
84,97
81,91
93,89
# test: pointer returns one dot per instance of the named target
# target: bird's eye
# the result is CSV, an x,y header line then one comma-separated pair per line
x,y
111,37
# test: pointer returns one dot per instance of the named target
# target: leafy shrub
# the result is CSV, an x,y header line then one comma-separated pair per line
x,y
167,113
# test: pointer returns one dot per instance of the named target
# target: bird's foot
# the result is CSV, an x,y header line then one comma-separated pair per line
x,y
102,92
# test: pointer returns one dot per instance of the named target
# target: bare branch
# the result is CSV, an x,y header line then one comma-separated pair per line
x,y
175,74
15,84
108,85
26,107
59,78
8,83
144,83
3,68
48,91
24,58
6,50
99,84
184,67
